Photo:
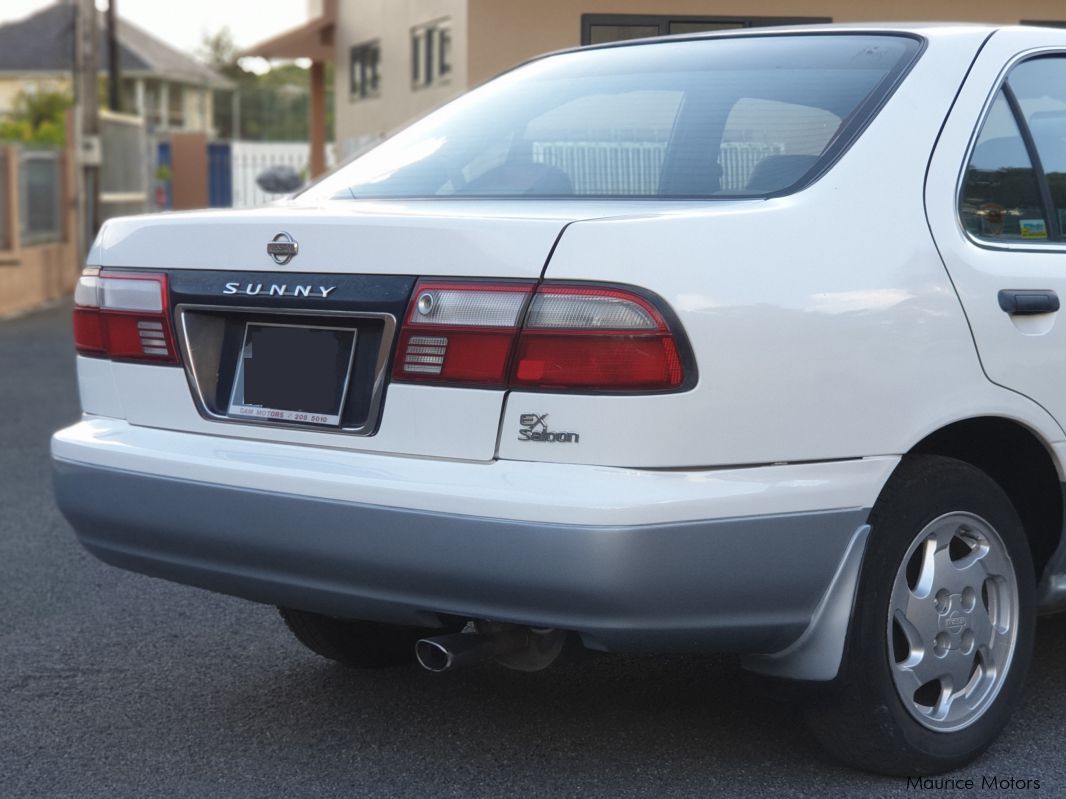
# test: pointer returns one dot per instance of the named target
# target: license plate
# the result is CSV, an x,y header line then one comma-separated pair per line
x,y
292,373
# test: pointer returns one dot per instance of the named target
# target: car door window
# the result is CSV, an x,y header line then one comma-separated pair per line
x,y
1001,198
1040,86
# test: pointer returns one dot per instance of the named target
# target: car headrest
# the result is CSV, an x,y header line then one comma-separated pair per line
x,y
525,177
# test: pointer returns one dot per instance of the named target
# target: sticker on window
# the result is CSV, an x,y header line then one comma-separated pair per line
x,y
1033,228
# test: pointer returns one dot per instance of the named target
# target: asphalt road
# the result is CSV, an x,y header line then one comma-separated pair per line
x,y
117,685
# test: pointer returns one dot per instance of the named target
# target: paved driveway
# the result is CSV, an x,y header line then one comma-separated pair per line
x,y
117,685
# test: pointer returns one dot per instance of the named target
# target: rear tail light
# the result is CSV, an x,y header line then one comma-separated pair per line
x,y
558,337
124,316
596,339
461,332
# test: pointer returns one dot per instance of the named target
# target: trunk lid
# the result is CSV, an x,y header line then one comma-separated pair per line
x,y
504,239
356,264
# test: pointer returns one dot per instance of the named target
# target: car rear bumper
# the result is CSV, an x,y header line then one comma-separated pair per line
x,y
220,514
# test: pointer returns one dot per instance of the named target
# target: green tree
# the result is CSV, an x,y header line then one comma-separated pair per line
x,y
37,118
220,52
273,106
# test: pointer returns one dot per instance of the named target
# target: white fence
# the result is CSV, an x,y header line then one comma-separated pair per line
x,y
594,167
126,154
251,158
603,168
738,160
630,167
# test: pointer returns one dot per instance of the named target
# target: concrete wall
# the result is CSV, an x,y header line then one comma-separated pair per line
x,y
33,275
188,167
390,21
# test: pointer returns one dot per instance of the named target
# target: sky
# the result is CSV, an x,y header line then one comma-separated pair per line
x,y
183,24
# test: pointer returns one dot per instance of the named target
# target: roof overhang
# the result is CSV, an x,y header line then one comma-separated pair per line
x,y
313,39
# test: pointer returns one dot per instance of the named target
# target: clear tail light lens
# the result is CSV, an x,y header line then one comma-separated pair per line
x,y
580,338
124,316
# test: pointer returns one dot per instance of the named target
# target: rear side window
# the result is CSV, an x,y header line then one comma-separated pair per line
x,y
1014,188
703,118
1040,86
1001,196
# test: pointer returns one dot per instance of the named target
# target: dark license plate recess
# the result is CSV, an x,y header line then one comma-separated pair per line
x,y
293,373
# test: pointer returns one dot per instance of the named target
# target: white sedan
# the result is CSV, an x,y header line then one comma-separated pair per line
x,y
743,343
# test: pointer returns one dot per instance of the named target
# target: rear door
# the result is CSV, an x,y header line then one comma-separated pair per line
x,y
996,202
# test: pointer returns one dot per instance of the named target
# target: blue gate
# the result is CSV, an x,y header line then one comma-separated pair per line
x,y
163,199
219,175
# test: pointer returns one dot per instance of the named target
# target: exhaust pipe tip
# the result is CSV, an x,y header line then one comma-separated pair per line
x,y
433,655
447,652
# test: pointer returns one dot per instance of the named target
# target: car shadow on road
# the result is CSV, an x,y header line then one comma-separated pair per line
x,y
599,720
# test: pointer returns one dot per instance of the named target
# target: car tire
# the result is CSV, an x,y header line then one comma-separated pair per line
x,y
926,606
357,644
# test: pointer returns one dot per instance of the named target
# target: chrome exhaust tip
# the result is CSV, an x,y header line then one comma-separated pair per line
x,y
446,652
433,655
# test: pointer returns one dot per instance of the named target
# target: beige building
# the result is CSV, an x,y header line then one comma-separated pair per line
x,y
396,60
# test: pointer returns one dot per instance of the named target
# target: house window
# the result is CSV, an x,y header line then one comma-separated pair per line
x,y
603,28
176,106
431,53
365,71
152,99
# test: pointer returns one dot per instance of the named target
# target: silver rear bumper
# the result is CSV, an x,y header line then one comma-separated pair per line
x,y
748,585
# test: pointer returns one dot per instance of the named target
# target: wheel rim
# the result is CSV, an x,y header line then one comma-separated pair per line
x,y
952,621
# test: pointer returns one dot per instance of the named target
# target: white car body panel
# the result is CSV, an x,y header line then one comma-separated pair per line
x,y
828,340
504,490
1026,354
783,300
508,239
725,280
427,421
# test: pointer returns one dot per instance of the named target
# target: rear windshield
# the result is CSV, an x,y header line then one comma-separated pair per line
x,y
701,118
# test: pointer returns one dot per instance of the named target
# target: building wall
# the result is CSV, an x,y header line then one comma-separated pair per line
x,y
490,36
505,33
391,21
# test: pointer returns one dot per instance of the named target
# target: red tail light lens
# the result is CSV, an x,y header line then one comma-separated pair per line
x,y
460,332
577,338
124,316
